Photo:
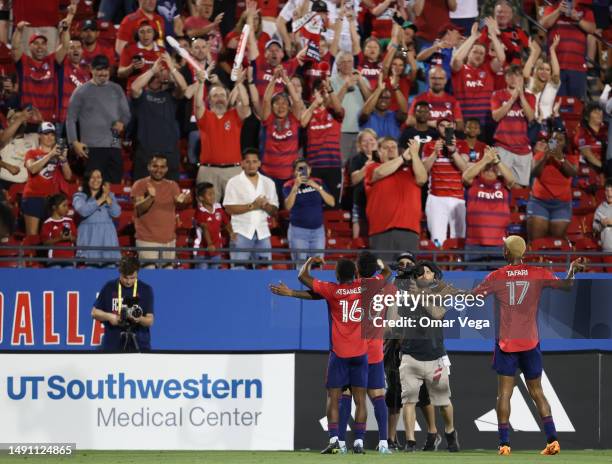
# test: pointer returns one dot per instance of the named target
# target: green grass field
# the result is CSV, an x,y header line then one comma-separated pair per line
x,y
280,457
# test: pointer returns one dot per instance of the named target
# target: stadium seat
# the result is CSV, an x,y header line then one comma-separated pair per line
x,y
31,240
453,244
9,253
426,245
518,198
337,223
592,246
184,219
183,240
517,224
124,222
583,203
575,230
541,245
360,243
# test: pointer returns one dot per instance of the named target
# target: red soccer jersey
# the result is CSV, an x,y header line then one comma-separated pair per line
x,y
585,137
44,183
220,132
382,24
511,132
43,13
445,178
552,184
7,65
433,18
323,139
54,228
72,77
344,306
517,290
404,84
369,70
514,39
38,84
487,212
263,73
473,88
281,144
442,106
404,212
129,26
99,49
571,51
149,56
215,221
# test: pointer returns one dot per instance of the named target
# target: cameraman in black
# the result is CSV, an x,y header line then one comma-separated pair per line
x,y
423,356
125,307
404,280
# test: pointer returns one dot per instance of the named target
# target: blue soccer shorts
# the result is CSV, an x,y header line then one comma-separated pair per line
x,y
342,372
376,375
529,362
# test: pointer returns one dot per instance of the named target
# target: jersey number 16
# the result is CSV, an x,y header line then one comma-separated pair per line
x,y
354,314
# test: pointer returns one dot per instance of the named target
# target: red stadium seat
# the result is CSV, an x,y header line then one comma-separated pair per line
x,y
541,245
31,240
583,203
575,230
9,253
453,244
517,224
426,245
338,223
359,243
125,222
518,198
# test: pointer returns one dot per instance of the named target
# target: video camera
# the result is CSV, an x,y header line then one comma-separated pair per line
x,y
130,309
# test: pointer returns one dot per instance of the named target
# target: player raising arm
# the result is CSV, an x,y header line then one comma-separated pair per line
x,y
348,358
517,288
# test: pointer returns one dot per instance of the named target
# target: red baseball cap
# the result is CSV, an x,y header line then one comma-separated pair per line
x,y
36,36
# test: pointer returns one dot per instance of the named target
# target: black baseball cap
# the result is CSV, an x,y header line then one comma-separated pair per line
x,y
319,6
405,255
89,25
100,62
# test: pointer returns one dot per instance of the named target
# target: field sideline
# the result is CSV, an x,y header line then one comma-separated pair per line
x,y
284,457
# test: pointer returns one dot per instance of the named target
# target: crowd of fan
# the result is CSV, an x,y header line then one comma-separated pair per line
x,y
424,119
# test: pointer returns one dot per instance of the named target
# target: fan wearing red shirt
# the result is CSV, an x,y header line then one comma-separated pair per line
x,y
92,46
264,66
473,76
37,73
572,26
59,230
73,74
369,62
395,225
513,108
129,25
591,137
444,162
43,164
431,16
488,206
348,357
211,220
549,210
513,38
220,128
137,58
202,25
517,288
442,105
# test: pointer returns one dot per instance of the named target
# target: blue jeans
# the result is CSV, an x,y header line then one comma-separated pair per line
x,y
110,9
257,255
193,147
209,262
306,239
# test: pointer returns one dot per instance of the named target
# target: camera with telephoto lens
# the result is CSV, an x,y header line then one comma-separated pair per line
x,y
130,309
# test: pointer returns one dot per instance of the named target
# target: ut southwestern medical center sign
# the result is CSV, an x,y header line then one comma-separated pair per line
x,y
148,401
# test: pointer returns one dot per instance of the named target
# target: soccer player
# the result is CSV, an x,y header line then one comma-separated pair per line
x,y
348,359
367,265
517,288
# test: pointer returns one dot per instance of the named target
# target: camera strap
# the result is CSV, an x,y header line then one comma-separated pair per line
x,y
119,293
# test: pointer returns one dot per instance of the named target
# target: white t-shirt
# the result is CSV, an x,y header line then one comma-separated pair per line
x,y
465,9
239,190
545,100
14,153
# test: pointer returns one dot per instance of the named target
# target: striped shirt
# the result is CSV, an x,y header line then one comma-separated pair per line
x,y
323,139
280,146
487,212
473,88
511,132
38,84
70,77
445,177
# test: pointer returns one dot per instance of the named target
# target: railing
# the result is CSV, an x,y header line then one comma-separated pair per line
x,y
30,256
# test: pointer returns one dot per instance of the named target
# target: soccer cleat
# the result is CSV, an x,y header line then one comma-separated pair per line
x,y
551,448
332,448
452,440
384,450
433,442
393,445
504,450
343,449
410,448
358,449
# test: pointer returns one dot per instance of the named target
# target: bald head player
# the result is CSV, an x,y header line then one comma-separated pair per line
x,y
517,288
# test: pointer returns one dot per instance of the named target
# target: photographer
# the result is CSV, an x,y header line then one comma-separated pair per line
x,y
305,198
423,359
549,210
125,307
